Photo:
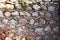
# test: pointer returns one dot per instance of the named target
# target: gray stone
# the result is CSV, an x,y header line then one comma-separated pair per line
x,y
28,14
23,21
39,29
1,13
55,29
36,7
41,13
34,14
5,21
12,21
48,29
15,13
32,21
22,13
51,8
20,30
38,38
18,6
48,14
42,21
7,14
8,38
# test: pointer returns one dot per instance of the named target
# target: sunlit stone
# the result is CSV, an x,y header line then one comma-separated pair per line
x,y
36,7
7,38
1,14
9,6
23,38
2,0
18,6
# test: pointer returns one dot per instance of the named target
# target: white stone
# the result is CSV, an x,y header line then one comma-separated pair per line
x,y
18,6
36,7
22,13
9,6
1,5
5,21
12,26
39,30
1,14
7,38
41,13
29,2
2,0
51,8
23,38
34,14
47,0
15,13
33,1
7,14
55,29
28,14
32,21
20,30
18,38
41,3
12,21
47,28
2,25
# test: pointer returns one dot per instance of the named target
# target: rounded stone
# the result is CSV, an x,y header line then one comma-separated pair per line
x,y
32,21
48,29
5,21
7,14
22,13
15,13
42,21
23,21
39,29
8,38
51,8
48,15
34,14
1,13
41,13
36,7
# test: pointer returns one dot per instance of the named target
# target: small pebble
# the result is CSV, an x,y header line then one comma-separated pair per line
x,y
32,21
7,14
1,14
51,8
7,38
22,13
36,7
48,28
39,30
15,13
34,14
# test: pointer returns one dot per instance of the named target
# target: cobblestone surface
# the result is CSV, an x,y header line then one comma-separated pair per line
x,y
37,22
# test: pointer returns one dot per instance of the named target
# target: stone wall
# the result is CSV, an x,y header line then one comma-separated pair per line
x,y
38,21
